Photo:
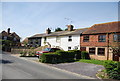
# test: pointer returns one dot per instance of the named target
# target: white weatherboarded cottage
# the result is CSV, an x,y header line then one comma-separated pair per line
x,y
66,40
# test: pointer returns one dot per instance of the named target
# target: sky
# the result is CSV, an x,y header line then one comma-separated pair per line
x,y
30,18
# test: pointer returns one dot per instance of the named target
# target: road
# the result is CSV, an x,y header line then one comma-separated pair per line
x,y
16,68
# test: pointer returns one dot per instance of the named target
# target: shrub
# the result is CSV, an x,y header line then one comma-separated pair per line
x,y
112,69
60,56
49,58
85,55
31,53
23,53
68,56
77,54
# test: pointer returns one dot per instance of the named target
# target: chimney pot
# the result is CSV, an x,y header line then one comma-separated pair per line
x,y
70,27
48,31
8,31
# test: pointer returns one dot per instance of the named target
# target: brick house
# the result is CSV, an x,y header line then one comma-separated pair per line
x,y
100,39
9,40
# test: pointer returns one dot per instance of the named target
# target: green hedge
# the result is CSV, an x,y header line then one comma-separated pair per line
x,y
85,55
60,56
112,69
49,58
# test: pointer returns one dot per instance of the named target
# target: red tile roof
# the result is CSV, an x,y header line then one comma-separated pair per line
x,y
104,28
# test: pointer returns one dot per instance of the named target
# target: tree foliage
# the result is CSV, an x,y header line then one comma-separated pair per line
x,y
58,29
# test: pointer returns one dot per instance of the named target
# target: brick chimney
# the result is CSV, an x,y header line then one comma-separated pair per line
x,y
8,31
70,27
48,31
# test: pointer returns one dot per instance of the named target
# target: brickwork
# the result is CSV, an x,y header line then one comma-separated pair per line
x,y
93,42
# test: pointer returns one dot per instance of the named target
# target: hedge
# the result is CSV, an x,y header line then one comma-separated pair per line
x,y
60,56
85,55
49,58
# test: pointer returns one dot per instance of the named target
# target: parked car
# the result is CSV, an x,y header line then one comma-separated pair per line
x,y
46,50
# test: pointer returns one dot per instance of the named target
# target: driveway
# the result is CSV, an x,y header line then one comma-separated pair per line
x,y
80,68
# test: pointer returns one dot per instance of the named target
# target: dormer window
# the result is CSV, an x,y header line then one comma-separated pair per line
x,y
70,38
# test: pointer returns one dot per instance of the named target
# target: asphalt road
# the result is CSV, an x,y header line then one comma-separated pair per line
x,y
16,68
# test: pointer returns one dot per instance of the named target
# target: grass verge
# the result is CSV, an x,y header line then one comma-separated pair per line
x,y
92,61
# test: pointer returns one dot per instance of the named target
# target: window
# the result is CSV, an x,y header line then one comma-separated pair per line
x,y
82,48
36,41
86,38
69,48
5,38
58,39
116,38
15,39
70,38
102,38
91,50
76,47
101,51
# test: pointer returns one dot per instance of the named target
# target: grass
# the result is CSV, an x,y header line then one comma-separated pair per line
x,y
92,61
102,74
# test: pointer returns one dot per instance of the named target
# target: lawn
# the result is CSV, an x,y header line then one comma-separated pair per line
x,y
98,62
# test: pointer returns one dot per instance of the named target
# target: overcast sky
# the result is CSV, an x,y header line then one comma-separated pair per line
x,y
29,18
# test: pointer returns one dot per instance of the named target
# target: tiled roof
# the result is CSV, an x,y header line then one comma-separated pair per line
x,y
38,35
14,35
104,28
61,33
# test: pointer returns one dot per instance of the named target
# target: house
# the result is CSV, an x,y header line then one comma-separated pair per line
x,y
35,40
9,39
100,39
66,40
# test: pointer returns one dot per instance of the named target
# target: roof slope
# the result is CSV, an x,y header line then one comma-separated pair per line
x,y
104,28
60,33
14,35
4,33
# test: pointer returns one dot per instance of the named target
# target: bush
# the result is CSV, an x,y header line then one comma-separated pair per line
x,y
60,56
112,69
85,55
31,53
77,54
49,58
23,53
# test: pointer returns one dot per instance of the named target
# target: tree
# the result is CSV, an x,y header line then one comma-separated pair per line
x,y
58,29
66,29
6,45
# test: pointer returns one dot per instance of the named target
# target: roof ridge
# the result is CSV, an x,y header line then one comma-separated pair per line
x,y
107,23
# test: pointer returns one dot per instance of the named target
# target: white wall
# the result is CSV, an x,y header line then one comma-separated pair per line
x,y
64,43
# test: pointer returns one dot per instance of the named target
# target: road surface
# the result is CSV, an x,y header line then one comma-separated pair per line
x,y
16,68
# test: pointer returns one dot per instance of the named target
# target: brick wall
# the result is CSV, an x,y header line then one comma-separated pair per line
x,y
93,42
